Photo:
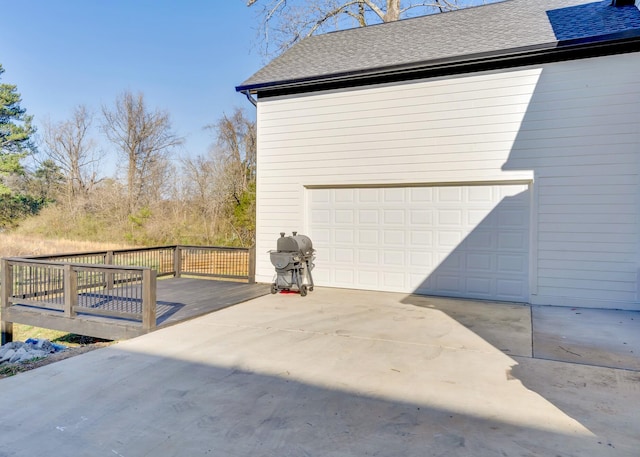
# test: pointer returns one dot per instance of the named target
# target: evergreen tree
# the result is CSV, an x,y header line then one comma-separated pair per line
x,y
16,133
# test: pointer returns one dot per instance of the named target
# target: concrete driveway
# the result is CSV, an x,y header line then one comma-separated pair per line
x,y
337,373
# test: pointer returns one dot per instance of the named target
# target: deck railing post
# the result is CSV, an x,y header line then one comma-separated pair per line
x,y
70,291
6,288
148,299
108,259
177,261
252,264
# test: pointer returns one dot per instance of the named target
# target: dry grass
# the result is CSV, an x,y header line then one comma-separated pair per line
x,y
16,245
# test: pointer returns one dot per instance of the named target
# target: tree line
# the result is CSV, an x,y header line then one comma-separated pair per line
x,y
155,197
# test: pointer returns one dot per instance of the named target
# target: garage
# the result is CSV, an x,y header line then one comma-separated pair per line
x,y
456,240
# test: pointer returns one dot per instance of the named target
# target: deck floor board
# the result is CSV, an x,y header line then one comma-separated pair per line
x,y
190,297
177,300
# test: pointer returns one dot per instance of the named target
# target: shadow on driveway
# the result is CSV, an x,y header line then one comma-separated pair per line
x,y
338,373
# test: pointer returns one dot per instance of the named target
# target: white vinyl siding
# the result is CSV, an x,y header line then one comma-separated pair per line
x,y
581,136
569,127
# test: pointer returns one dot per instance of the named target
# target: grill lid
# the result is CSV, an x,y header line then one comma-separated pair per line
x,y
295,243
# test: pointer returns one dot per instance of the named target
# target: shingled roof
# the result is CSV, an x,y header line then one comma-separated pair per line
x,y
503,28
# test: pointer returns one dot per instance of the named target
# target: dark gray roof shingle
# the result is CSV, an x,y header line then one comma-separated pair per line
x,y
500,26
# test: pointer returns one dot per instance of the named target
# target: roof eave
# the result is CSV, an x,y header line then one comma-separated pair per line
x,y
617,43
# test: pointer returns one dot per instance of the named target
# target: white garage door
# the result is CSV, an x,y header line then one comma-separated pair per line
x,y
458,241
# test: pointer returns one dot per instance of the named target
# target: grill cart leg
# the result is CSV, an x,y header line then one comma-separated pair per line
x,y
309,278
299,279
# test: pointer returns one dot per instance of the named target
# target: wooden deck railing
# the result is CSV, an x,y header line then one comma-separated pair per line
x,y
72,288
118,284
176,260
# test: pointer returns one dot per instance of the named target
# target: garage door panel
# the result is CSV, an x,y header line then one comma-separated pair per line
x,y
344,277
448,194
343,255
421,217
421,194
448,284
393,258
512,241
512,263
344,236
420,260
480,262
393,216
368,257
513,288
449,238
421,238
396,195
322,258
344,195
368,238
481,239
511,217
368,216
481,195
479,286
477,216
344,216
321,236
447,260
394,238
320,275
460,241
368,196
449,217
393,281
368,278
319,216
321,196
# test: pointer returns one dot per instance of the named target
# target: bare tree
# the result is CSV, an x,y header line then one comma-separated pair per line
x,y
231,168
235,151
205,200
285,22
69,145
144,139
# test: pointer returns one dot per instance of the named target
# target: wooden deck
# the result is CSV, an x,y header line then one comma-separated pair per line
x,y
126,293
178,300
181,299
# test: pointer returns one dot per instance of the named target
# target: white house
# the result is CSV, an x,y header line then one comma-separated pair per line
x,y
490,153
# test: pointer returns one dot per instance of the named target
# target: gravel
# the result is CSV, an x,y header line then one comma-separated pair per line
x,y
33,348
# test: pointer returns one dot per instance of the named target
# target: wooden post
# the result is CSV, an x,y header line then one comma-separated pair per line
x,y
70,291
108,259
6,290
148,299
177,261
252,264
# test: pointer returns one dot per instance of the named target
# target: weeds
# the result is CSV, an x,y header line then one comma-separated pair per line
x,y
10,369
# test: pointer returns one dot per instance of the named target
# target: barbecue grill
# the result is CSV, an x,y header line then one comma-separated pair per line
x,y
293,261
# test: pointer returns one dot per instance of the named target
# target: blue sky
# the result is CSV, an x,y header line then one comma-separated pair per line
x,y
186,57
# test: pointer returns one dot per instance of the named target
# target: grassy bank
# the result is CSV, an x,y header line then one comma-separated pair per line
x,y
12,244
